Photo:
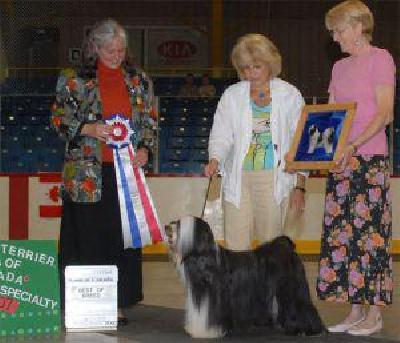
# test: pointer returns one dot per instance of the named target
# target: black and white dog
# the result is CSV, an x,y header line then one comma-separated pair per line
x,y
229,290
319,139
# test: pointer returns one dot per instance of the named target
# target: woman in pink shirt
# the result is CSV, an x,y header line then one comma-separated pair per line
x,y
355,264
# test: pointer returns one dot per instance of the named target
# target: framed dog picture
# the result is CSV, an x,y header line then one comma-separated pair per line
x,y
320,136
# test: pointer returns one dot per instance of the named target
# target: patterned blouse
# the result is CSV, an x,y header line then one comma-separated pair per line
x,y
78,103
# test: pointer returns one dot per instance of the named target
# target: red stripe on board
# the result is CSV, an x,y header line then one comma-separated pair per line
x,y
50,177
18,207
50,211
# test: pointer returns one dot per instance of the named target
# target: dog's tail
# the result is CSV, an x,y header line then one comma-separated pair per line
x,y
283,243
297,314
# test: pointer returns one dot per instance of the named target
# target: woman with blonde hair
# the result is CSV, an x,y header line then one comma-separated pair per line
x,y
355,263
252,129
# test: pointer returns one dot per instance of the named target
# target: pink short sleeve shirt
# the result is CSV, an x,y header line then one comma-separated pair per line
x,y
354,79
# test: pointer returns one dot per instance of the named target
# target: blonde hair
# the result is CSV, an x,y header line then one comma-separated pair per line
x,y
351,12
255,47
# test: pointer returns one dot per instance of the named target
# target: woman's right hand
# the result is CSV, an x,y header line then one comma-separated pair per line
x,y
211,168
97,130
344,158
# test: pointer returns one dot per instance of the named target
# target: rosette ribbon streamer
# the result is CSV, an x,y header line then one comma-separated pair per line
x,y
140,223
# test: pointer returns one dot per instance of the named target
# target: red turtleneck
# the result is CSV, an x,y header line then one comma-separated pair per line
x,y
114,98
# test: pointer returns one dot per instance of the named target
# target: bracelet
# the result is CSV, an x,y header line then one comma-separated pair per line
x,y
301,189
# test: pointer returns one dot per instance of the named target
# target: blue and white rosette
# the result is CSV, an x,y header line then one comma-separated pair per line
x,y
140,223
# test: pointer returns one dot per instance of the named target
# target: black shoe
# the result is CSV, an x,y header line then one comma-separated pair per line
x,y
122,321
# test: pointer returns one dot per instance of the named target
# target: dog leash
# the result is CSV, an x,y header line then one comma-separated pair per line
x,y
207,193
210,180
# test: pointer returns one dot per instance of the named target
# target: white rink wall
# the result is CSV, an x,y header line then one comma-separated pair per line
x,y
175,197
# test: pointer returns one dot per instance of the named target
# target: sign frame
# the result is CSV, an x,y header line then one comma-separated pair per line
x,y
320,136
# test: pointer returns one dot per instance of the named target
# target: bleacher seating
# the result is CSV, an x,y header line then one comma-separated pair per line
x,y
31,85
185,125
169,86
27,143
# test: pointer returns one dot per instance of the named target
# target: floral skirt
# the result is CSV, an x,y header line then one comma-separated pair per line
x,y
355,263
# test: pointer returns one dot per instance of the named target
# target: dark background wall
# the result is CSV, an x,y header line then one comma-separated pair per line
x,y
296,26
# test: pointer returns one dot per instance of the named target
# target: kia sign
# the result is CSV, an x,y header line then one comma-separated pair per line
x,y
177,49
176,46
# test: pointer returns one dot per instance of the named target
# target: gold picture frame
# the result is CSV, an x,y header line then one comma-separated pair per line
x,y
320,135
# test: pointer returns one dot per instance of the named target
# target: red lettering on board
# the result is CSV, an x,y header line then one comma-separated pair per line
x,y
8,305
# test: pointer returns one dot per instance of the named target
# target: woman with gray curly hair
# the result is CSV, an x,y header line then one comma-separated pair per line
x,y
91,231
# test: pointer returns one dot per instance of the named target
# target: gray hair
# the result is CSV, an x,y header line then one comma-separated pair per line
x,y
102,33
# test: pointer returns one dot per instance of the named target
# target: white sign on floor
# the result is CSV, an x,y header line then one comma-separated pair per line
x,y
91,298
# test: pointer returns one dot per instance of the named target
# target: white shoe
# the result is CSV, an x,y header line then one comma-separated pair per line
x,y
342,327
368,331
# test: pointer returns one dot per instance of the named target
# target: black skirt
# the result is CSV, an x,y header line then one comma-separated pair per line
x,y
91,234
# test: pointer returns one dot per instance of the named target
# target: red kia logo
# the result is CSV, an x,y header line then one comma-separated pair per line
x,y
176,49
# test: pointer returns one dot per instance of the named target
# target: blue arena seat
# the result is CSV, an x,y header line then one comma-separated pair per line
x,y
10,119
202,131
51,160
180,130
179,142
178,154
200,142
13,140
185,125
199,155
202,120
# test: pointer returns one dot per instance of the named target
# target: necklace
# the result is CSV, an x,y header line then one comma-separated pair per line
x,y
261,97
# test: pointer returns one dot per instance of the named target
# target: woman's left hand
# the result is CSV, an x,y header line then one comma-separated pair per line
x,y
142,155
297,202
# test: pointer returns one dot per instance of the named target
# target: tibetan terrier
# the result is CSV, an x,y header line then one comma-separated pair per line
x,y
318,139
229,291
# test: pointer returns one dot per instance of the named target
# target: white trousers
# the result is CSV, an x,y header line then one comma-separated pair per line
x,y
259,218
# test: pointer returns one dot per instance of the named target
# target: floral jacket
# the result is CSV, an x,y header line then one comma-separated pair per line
x,y
77,103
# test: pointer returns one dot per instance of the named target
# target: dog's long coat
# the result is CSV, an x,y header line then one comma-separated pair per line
x,y
229,290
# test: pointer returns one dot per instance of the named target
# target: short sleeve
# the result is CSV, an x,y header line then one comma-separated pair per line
x,y
383,68
332,82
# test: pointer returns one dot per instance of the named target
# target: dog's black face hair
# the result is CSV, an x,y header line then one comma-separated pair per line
x,y
312,129
330,137
241,289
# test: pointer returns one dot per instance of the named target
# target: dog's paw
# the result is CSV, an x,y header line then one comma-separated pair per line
x,y
204,333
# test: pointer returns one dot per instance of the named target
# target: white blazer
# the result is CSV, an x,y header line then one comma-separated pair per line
x,y
231,135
